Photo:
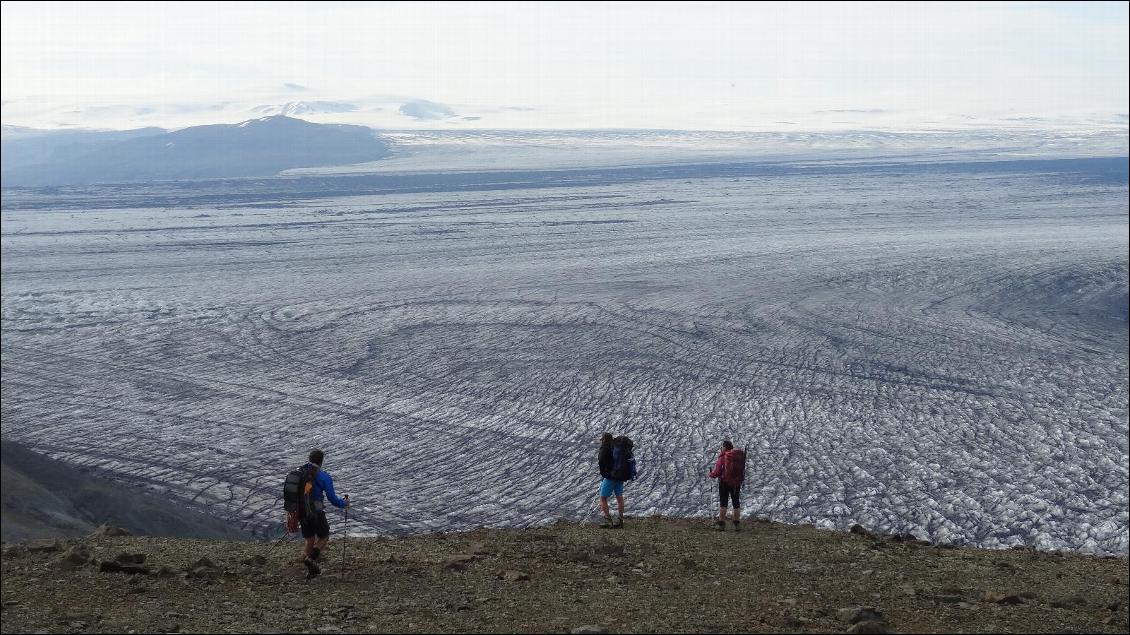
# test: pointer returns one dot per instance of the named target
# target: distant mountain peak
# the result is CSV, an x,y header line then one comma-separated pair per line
x,y
272,120
306,108
262,146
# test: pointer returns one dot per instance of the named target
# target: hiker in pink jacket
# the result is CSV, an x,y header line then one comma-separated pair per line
x,y
729,469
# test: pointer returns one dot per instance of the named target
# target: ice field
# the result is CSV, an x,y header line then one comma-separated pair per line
x,y
938,348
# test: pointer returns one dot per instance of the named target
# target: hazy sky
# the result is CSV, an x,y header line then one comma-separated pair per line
x,y
608,63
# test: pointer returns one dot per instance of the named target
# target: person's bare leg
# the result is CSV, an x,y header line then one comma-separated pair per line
x,y
620,505
322,544
604,506
311,557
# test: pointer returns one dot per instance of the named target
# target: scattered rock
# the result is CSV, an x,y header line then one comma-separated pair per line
x,y
1069,602
109,531
948,599
255,561
996,597
869,626
908,589
43,546
589,629
582,556
478,548
203,563
74,558
203,568
458,562
1114,606
112,566
165,572
787,601
609,549
130,558
513,576
854,615
73,615
791,621
858,530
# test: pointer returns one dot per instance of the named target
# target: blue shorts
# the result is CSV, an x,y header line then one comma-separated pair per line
x,y
608,487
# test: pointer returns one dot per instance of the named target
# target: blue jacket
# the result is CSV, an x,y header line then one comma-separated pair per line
x,y
324,484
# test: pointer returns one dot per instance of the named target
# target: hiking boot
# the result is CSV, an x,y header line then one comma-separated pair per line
x,y
312,568
720,525
737,525
619,522
606,521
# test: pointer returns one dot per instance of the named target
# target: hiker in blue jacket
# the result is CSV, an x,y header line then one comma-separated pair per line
x,y
316,530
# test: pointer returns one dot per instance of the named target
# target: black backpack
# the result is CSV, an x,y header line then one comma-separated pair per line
x,y
623,461
297,490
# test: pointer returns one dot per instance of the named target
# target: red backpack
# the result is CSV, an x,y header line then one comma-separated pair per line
x,y
733,469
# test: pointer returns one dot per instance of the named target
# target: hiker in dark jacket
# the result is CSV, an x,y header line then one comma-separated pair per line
x,y
317,530
729,485
608,485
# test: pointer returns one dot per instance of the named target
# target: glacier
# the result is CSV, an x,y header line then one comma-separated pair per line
x,y
927,347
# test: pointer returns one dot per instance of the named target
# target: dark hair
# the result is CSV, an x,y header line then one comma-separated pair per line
x,y
317,456
606,438
729,446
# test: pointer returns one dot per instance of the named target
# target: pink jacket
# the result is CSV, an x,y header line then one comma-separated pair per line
x,y
719,465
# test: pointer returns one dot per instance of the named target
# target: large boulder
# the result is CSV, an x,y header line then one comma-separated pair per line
x,y
74,558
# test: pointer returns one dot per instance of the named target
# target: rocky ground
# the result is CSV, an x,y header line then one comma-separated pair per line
x,y
654,575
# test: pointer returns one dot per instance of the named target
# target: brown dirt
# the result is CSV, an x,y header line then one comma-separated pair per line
x,y
655,575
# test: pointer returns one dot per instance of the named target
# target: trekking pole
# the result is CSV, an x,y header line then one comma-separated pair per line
x,y
592,510
345,532
711,512
277,543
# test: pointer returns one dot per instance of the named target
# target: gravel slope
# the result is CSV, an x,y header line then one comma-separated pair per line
x,y
655,575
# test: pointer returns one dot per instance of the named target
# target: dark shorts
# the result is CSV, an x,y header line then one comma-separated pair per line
x,y
319,527
733,493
